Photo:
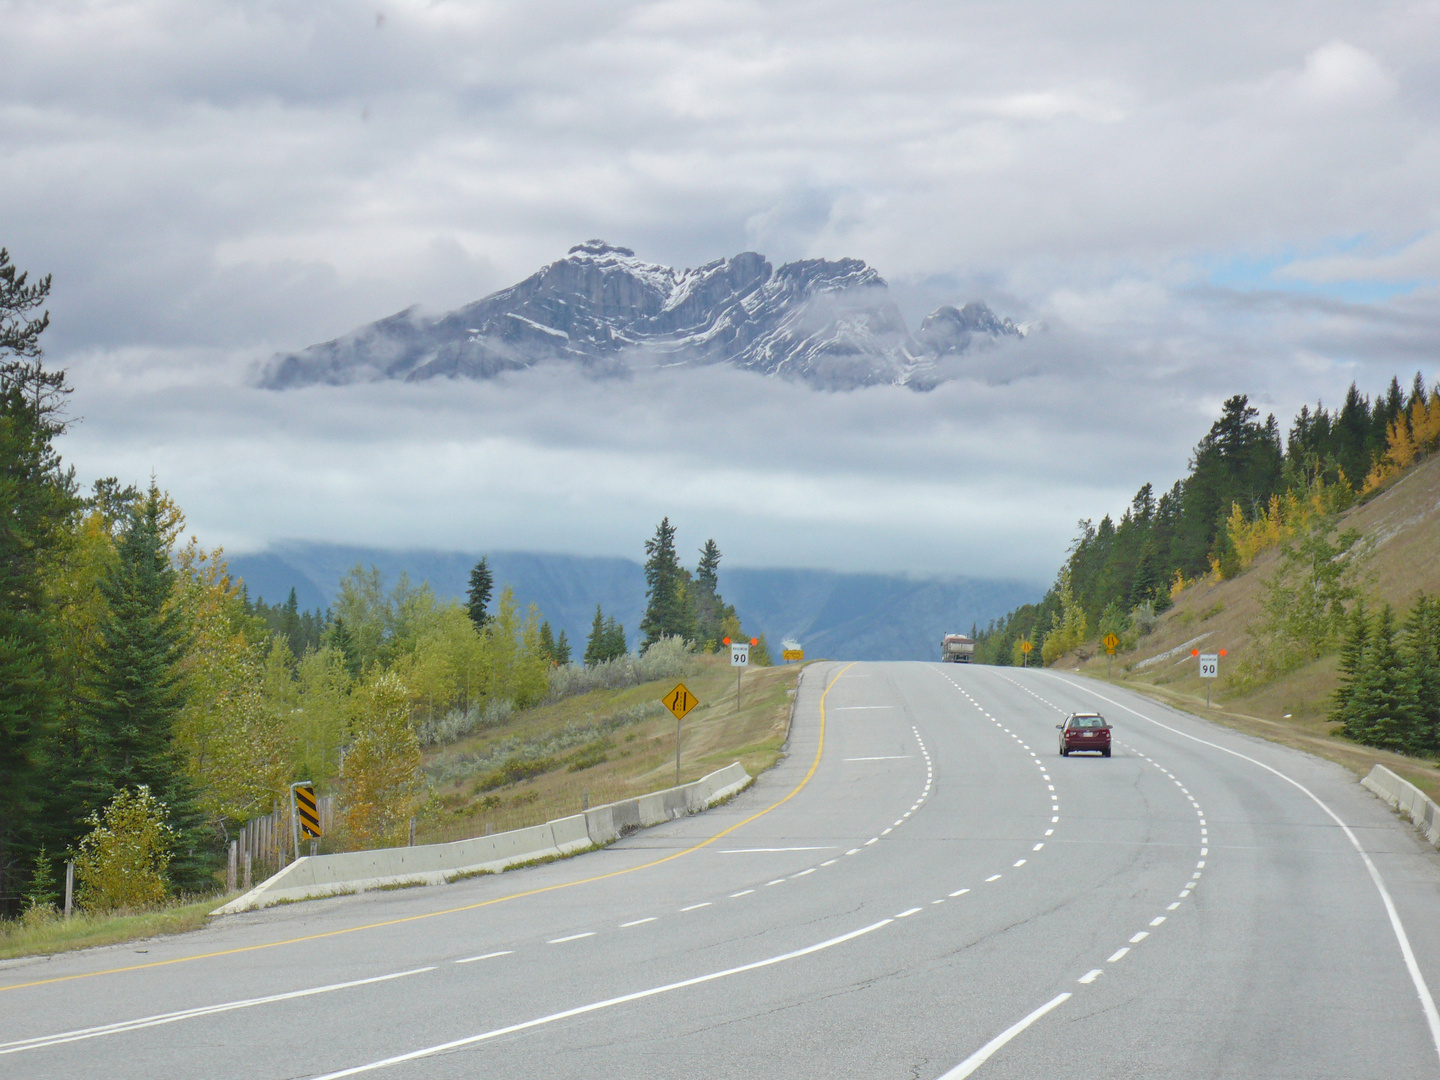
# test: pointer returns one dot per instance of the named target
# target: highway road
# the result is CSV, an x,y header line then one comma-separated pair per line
x,y
923,888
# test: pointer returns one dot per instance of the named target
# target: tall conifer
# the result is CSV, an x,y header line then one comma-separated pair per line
x,y
36,499
135,690
482,585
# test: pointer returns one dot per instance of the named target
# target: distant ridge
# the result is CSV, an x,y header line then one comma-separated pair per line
x,y
828,323
840,616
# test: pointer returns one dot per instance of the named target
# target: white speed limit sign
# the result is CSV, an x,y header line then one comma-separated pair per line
x,y
739,655
1209,665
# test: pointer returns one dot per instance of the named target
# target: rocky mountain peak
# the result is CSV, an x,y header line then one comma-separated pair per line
x,y
830,323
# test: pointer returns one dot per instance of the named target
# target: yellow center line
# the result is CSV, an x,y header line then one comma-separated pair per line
x,y
467,907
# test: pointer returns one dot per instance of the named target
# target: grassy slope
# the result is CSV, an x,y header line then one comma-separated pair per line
x,y
638,757
1403,522
641,759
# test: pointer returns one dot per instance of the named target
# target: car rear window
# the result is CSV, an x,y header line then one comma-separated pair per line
x,y
1087,722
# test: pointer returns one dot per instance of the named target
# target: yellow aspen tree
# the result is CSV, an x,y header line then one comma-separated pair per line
x,y
381,778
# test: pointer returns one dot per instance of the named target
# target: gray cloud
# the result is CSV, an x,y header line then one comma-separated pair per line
x,y
1194,200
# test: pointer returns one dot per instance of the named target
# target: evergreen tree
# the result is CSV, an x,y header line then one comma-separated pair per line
x,y
614,638
707,574
1421,652
135,691
709,608
1352,665
36,498
340,638
1383,705
595,643
562,650
547,642
669,610
482,585
1238,461
290,624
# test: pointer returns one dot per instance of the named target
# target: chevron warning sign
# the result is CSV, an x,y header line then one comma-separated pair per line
x,y
307,810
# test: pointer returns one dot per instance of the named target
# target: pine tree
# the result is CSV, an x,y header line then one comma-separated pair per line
x,y
562,650
482,585
669,610
340,638
547,642
1384,701
1352,663
135,691
708,607
614,639
707,574
595,643
290,623
1421,652
36,498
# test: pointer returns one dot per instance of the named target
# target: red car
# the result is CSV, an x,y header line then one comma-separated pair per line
x,y
1084,731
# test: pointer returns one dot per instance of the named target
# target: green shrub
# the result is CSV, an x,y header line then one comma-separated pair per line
x,y
123,859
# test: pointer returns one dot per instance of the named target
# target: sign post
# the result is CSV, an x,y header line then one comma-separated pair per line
x,y
1111,643
1025,648
679,701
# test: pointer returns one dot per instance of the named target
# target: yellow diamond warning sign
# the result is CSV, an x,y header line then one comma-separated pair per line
x,y
680,701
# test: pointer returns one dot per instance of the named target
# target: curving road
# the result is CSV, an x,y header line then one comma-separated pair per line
x,y
923,888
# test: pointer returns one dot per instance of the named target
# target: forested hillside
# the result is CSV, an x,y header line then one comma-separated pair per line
x,y
1248,489
148,707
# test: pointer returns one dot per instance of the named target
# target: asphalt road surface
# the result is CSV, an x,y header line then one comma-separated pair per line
x,y
931,892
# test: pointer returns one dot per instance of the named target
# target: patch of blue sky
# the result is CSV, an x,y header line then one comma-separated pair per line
x,y
1255,273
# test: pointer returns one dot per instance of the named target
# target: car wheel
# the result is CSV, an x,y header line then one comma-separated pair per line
x,y
1105,752
1064,752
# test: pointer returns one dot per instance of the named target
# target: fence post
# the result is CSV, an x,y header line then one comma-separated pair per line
x,y
69,887
230,866
248,856
412,832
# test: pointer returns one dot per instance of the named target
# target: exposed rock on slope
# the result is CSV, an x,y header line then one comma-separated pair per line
x,y
831,324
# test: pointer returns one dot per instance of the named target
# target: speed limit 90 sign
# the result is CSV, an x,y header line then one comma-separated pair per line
x,y
1209,665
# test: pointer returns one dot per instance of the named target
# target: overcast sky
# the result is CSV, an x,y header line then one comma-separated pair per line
x,y
1194,200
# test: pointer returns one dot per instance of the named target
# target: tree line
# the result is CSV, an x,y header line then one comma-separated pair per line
x,y
1246,489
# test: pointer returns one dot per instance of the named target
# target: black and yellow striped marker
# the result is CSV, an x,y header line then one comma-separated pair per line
x,y
308,810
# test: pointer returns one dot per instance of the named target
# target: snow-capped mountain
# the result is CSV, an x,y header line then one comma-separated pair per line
x,y
831,324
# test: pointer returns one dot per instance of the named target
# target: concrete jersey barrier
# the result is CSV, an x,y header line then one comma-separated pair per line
x,y
1408,799
312,877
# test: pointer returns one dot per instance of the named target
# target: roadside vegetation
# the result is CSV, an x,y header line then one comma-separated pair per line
x,y
1319,591
149,707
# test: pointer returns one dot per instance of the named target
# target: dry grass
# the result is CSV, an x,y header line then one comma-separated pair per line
x,y
42,937
633,759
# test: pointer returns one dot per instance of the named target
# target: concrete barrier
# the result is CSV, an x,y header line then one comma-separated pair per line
x,y
1408,799
435,864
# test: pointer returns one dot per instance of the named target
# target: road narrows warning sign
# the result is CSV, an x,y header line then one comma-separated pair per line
x,y
680,701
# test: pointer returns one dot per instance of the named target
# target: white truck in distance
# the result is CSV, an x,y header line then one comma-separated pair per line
x,y
957,649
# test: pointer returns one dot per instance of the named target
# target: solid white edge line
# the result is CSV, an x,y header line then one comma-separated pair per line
x,y
471,1040
122,1026
1427,1001
975,1060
